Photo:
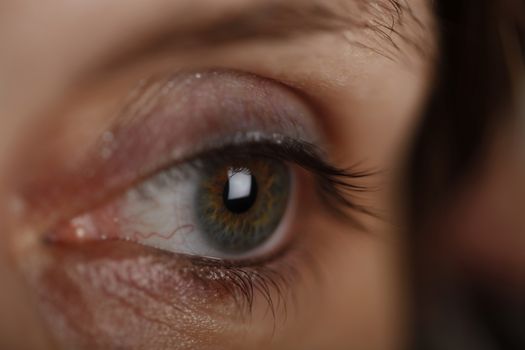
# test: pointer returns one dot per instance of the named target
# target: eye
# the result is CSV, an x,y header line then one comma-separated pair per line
x,y
232,205
231,195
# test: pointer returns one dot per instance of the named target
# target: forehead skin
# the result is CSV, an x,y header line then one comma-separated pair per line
x,y
50,47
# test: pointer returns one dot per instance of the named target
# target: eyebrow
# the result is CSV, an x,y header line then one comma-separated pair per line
x,y
387,21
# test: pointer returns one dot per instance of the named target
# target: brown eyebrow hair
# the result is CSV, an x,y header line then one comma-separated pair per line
x,y
387,23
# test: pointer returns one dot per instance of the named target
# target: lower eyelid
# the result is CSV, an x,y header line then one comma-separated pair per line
x,y
103,282
91,288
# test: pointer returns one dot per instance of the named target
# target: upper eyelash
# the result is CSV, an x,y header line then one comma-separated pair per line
x,y
337,187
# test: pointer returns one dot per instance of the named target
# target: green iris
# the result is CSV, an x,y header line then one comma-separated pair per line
x,y
239,204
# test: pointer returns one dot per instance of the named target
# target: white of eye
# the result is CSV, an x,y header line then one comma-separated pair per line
x,y
160,213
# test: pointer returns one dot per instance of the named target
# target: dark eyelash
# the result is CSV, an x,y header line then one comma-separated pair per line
x,y
337,187
244,283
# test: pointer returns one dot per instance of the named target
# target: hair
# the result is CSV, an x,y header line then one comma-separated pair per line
x,y
476,80
482,50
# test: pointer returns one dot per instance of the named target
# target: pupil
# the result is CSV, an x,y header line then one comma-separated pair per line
x,y
240,191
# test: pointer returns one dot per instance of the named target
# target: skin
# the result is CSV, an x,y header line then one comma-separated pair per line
x,y
367,95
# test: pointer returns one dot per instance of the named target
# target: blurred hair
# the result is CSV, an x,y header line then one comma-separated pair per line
x,y
480,69
480,43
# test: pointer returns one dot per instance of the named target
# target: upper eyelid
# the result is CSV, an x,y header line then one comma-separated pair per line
x,y
273,112
157,91
279,112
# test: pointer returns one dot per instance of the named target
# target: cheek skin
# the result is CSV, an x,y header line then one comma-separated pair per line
x,y
358,302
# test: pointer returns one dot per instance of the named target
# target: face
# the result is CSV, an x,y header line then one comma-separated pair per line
x,y
207,175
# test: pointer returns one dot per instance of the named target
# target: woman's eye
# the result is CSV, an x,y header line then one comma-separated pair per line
x,y
219,207
216,177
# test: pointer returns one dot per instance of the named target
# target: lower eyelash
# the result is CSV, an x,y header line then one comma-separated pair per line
x,y
272,281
